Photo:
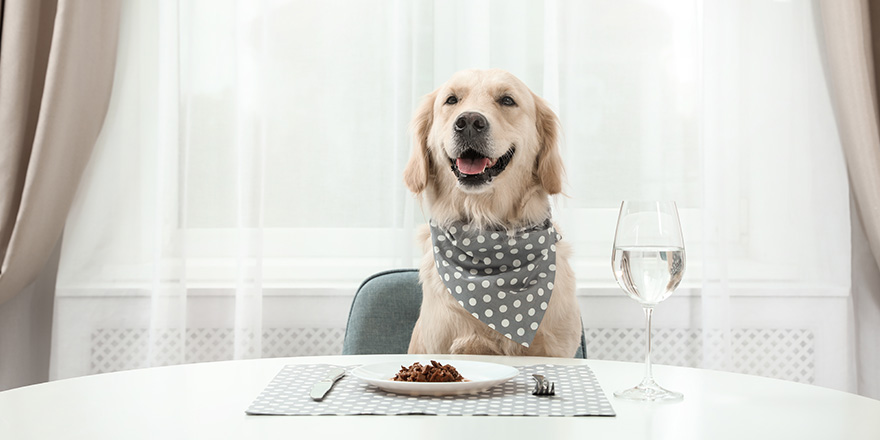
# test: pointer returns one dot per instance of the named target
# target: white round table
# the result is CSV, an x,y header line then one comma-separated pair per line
x,y
208,400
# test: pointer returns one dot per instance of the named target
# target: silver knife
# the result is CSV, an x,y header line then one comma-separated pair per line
x,y
320,389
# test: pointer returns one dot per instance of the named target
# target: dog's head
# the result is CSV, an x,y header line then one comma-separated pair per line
x,y
482,132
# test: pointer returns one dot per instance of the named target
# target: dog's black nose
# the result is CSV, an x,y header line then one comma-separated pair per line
x,y
471,123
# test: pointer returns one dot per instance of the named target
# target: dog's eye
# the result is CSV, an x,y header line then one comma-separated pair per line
x,y
452,100
507,100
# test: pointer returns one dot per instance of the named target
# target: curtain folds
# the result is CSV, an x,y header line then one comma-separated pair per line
x,y
852,38
851,31
56,64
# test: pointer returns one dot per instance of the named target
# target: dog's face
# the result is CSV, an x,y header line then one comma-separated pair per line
x,y
481,131
481,119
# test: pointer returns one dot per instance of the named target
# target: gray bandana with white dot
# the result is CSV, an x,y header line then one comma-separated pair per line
x,y
504,280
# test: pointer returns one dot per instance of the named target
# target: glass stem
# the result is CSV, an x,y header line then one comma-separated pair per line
x,y
649,375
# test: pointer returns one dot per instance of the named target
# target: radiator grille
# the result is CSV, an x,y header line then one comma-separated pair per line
x,y
778,353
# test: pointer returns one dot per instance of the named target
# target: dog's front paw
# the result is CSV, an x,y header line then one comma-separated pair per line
x,y
474,345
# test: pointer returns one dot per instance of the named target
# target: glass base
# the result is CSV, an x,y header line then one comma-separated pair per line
x,y
649,391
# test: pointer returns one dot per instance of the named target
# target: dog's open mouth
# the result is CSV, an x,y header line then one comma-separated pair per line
x,y
472,168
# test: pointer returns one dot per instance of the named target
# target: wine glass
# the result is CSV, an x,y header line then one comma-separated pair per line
x,y
648,263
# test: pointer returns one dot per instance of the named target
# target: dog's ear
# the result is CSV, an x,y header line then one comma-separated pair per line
x,y
419,166
549,169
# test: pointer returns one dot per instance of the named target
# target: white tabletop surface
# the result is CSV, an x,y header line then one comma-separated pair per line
x,y
208,400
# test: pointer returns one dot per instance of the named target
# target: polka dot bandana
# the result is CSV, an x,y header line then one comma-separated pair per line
x,y
578,393
503,279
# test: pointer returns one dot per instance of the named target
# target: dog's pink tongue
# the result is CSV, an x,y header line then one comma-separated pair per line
x,y
472,166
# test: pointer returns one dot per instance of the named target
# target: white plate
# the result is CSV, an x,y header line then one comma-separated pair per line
x,y
478,376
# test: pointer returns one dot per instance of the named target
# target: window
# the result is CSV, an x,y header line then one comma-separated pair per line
x,y
267,141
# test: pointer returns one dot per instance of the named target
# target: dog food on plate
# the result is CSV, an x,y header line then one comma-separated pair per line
x,y
435,372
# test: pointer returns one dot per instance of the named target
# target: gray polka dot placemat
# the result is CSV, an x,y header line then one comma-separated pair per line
x,y
577,394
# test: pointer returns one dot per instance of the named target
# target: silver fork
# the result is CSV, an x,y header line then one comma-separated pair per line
x,y
543,387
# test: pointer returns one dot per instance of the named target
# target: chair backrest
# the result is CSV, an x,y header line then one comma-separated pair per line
x,y
384,311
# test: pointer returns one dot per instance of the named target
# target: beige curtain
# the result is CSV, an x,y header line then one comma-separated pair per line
x,y
851,37
57,59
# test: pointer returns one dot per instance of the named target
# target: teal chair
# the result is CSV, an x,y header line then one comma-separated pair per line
x,y
384,312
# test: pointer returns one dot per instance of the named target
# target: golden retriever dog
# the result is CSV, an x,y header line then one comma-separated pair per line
x,y
485,160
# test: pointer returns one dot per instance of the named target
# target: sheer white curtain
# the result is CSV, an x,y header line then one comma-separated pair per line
x,y
249,174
